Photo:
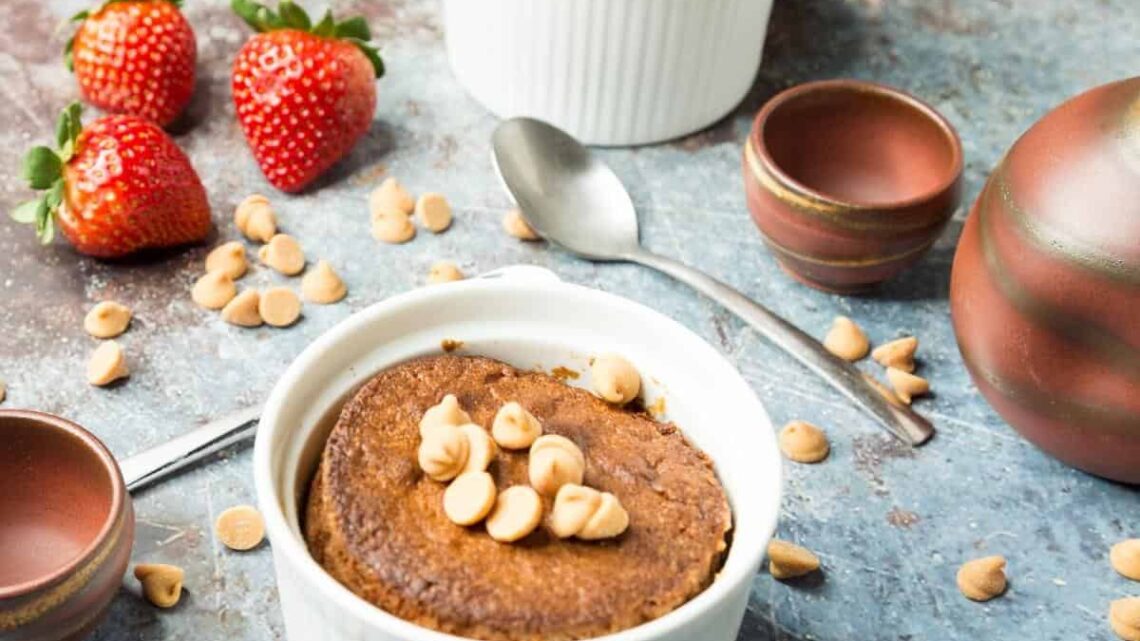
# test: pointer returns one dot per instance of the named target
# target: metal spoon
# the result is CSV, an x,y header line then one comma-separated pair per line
x,y
575,201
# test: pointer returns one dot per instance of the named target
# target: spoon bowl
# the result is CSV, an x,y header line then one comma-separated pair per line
x,y
571,198
575,201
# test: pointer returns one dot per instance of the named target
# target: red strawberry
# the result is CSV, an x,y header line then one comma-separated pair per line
x,y
116,186
304,93
135,57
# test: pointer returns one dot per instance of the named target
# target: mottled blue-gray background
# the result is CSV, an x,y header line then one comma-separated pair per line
x,y
890,524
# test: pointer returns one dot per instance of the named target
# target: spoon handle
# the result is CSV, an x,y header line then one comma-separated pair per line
x,y
899,420
159,462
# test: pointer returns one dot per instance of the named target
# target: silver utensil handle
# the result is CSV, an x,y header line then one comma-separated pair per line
x,y
161,461
899,420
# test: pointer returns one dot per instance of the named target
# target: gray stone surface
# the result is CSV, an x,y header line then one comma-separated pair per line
x,y
890,524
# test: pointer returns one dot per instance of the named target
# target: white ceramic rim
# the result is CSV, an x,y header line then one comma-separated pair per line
x,y
286,542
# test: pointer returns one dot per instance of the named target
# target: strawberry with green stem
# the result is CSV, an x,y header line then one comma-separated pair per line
x,y
114,187
304,93
134,57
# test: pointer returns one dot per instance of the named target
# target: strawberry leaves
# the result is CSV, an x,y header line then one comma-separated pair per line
x,y
43,169
290,15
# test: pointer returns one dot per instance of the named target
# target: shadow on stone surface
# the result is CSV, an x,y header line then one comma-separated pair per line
x,y
370,150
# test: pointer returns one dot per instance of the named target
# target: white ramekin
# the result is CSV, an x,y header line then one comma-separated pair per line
x,y
610,72
528,320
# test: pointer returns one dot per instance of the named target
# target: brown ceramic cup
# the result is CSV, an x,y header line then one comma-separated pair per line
x,y
66,528
850,182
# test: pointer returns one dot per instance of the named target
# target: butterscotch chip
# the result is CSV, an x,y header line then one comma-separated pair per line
x,y
982,579
394,227
515,225
389,196
898,353
846,340
469,498
907,385
481,448
1125,558
161,583
517,512
444,272
279,306
446,413
608,521
433,212
1124,617
803,442
883,390
322,285
788,560
107,319
255,219
107,364
228,257
614,379
514,428
214,290
243,309
240,528
573,506
554,462
443,453
3,390
283,253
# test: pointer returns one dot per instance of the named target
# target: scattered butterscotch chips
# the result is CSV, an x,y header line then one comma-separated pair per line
x,y
573,506
243,309
444,272
443,453
608,521
228,257
3,390
788,560
846,340
803,442
446,413
907,385
392,227
390,195
255,219
322,285
240,528
279,306
481,448
514,428
1125,558
433,212
107,364
284,254
469,498
161,583
107,319
1124,617
214,290
883,390
517,512
982,579
552,468
614,379
898,353
515,225
554,462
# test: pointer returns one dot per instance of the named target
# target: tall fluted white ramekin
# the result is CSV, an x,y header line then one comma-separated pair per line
x,y
530,319
610,72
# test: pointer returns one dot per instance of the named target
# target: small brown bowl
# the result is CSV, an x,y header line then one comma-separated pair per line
x,y
850,182
66,528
